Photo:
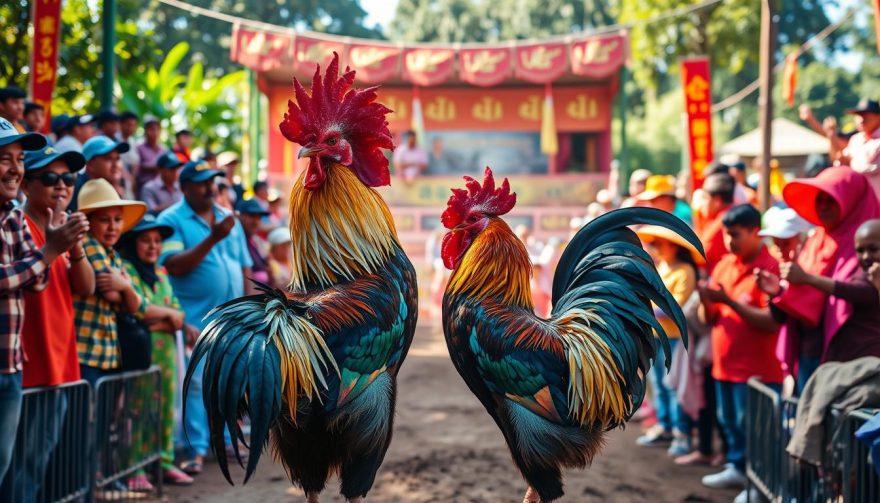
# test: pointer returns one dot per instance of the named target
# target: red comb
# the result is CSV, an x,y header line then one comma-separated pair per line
x,y
484,198
334,104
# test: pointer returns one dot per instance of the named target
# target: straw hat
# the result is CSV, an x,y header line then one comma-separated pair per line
x,y
649,233
99,194
656,186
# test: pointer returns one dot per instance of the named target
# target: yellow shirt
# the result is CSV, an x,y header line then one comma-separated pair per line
x,y
681,281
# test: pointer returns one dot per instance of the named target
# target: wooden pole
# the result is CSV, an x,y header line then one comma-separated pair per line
x,y
765,99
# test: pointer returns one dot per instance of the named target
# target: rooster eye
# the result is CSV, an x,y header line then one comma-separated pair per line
x,y
472,218
331,141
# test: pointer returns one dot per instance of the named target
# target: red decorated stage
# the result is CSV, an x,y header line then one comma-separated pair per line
x,y
481,104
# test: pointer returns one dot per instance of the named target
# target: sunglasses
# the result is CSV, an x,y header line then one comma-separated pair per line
x,y
50,178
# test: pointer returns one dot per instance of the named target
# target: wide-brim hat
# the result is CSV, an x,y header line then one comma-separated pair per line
x,y
98,194
656,186
649,233
148,223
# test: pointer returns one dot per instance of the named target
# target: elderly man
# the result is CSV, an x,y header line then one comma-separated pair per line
x,y
23,267
862,153
207,259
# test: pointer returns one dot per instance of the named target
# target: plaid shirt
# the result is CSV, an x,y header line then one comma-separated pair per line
x,y
22,266
96,338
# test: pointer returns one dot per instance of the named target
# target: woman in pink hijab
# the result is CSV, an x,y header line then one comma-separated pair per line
x,y
837,201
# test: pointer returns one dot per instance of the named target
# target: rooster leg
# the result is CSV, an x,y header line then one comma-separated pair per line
x,y
311,497
531,496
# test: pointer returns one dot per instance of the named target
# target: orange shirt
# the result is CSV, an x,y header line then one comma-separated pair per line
x,y
48,336
739,350
711,234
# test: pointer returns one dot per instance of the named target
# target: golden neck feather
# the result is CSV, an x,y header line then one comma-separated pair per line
x,y
340,231
495,266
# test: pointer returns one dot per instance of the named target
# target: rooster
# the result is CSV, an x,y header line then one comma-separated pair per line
x,y
553,386
315,367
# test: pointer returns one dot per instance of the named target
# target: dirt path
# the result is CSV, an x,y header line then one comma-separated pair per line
x,y
446,448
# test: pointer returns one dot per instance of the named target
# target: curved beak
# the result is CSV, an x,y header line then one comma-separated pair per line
x,y
458,228
308,152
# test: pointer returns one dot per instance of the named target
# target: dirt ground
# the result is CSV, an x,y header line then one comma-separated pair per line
x,y
446,448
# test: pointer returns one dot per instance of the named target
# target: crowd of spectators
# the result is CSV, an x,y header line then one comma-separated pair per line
x,y
109,232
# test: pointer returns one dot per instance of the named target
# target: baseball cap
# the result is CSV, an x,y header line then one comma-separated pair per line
x,y
45,156
169,160
251,207
29,141
197,171
783,223
59,123
11,92
150,119
279,236
101,145
79,120
106,115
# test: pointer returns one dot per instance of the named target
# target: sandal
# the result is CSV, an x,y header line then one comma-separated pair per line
x,y
192,467
176,477
140,484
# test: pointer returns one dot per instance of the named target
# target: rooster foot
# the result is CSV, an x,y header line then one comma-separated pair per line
x,y
311,497
531,496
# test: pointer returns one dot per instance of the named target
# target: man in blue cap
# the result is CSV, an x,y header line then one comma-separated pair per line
x,y
208,261
78,131
164,190
102,161
48,335
23,266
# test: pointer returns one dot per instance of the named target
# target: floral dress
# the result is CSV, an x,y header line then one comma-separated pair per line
x,y
164,354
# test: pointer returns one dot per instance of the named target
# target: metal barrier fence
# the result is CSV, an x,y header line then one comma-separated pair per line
x,y
51,459
844,474
78,444
128,431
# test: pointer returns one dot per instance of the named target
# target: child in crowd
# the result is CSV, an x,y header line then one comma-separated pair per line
x,y
109,217
677,262
859,335
744,333
279,257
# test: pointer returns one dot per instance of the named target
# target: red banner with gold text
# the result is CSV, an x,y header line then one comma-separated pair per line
x,y
428,67
698,106
598,57
44,59
261,50
485,66
374,64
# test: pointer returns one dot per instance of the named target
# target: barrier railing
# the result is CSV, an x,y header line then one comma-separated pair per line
x,y
763,427
51,459
128,431
78,444
844,473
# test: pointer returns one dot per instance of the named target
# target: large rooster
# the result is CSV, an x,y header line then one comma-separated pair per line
x,y
315,367
553,386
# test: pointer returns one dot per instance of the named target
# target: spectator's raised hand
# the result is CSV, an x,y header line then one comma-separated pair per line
x,y
874,274
806,113
221,229
712,294
64,231
792,272
175,318
768,282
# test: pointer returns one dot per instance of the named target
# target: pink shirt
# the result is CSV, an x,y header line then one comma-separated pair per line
x,y
864,154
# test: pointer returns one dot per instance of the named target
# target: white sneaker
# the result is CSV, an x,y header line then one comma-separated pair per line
x,y
730,478
750,496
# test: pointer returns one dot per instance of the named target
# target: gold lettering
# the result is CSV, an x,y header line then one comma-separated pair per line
x,y
530,109
45,72
45,47
701,147
595,51
426,60
370,57
46,26
539,58
697,89
484,61
488,109
582,108
440,109
315,52
700,127
397,105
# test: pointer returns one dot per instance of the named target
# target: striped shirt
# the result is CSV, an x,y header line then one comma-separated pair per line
x,y
96,338
22,267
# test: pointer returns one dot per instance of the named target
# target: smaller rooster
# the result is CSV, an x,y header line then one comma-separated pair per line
x,y
553,386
